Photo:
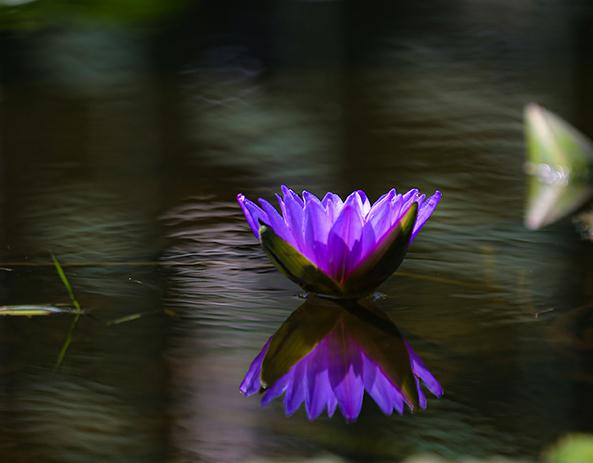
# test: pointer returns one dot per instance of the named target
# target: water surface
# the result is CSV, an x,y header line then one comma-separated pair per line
x,y
124,144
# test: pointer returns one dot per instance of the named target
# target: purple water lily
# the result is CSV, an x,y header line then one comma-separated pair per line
x,y
332,364
335,247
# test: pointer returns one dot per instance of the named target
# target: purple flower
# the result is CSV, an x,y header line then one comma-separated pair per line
x,y
334,247
326,356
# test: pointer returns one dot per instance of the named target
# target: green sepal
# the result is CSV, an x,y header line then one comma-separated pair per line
x,y
295,265
384,260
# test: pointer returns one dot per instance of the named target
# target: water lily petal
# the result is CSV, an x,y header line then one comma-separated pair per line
x,y
296,390
308,196
333,205
426,209
252,212
366,204
349,392
332,404
375,387
422,372
251,383
275,220
345,375
342,238
292,210
421,397
318,387
276,389
380,215
384,259
316,232
288,192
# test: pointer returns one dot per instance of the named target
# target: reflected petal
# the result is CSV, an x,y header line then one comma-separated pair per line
x,y
358,348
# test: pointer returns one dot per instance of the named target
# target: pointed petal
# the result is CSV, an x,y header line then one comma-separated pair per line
x,y
288,192
293,215
333,205
349,392
332,404
391,193
425,211
318,387
342,238
368,243
308,196
345,375
382,261
380,215
276,389
251,383
421,397
275,220
410,196
296,390
316,232
252,213
423,374
375,386
365,203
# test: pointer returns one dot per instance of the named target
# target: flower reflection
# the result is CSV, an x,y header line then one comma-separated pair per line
x,y
327,353
335,247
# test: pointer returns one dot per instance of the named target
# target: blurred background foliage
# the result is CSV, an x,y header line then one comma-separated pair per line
x,y
37,14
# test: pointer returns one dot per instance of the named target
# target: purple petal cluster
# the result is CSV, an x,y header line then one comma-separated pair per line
x,y
334,234
336,375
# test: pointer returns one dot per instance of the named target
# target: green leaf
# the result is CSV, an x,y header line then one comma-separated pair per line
x,y
575,448
70,334
560,165
296,266
65,282
385,259
34,310
552,141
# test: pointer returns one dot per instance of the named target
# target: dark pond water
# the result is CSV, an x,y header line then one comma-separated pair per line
x,y
125,137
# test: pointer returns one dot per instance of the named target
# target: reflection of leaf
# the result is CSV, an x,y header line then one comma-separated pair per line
x,y
70,333
560,161
548,203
